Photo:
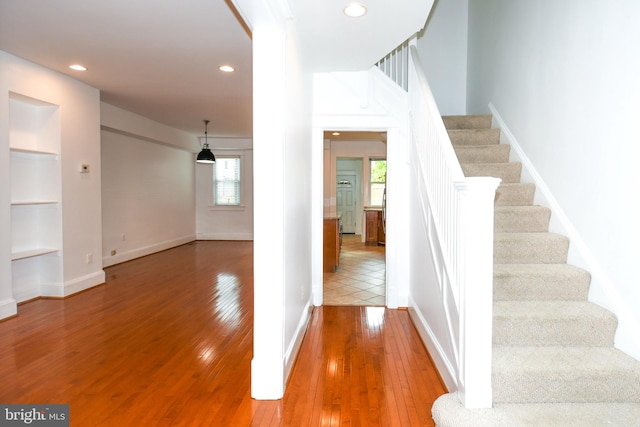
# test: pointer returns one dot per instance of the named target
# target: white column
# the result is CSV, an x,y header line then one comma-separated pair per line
x,y
476,292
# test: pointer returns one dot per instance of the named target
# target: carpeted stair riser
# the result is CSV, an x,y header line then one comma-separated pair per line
x,y
508,172
540,282
497,153
467,122
474,136
515,194
564,374
552,323
521,219
530,248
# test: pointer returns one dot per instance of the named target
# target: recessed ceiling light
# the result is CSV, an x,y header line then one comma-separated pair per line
x,y
78,67
335,133
226,68
355,10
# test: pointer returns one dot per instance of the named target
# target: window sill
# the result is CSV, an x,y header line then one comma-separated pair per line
x,y
232,208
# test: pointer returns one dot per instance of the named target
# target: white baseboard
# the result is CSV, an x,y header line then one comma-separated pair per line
x,y
31,293
8,308
296,342
73,286
146,250
224,236
445,368
602,290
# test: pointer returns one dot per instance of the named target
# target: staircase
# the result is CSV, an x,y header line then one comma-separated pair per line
x,y
554,363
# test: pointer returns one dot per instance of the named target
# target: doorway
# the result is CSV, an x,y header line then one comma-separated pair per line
x,y
360,277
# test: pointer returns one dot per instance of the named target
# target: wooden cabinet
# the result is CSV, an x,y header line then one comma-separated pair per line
x,y
374,228
371,227
382,239
332,243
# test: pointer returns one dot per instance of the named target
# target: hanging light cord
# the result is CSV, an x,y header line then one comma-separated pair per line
x,y
206,143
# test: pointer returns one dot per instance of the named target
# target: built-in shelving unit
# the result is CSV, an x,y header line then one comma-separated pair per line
x,y
36,219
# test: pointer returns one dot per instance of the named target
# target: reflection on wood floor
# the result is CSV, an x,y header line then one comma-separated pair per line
x,y
168,341
360,277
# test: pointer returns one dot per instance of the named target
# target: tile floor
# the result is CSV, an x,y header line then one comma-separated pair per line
x,y
360,277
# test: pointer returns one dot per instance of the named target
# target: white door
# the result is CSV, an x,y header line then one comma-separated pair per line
x,y
346,201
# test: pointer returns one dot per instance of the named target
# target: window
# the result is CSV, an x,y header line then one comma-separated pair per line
x,y
377,180
226,181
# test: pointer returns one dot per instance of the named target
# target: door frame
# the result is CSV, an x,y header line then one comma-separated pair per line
x,y
397,254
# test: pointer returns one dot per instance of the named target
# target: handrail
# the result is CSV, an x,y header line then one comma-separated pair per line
x,y
460,210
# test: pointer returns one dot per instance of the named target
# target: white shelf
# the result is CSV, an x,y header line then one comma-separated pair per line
x,y
32,202
32,253
30,151
36,196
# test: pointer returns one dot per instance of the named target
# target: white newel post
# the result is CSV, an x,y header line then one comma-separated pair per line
x,y
476,291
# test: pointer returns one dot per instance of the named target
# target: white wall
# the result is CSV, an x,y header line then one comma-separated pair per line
x,y
225,222
8,306
367,101
442,46
297,198
563,76
80,144
148,187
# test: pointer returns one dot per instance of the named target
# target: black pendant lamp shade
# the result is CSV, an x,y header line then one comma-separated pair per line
x,y
205,156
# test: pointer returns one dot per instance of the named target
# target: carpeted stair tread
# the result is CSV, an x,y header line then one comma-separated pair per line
x,y
523,282
530,248
496,153
554,363
515,194
449,412
564,374
467,122
552,323
474,136
508,172
521,218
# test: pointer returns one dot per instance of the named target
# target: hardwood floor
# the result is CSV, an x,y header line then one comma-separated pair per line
x,y
168,341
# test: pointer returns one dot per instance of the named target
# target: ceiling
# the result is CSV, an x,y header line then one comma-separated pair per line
x,y
355,136
160,58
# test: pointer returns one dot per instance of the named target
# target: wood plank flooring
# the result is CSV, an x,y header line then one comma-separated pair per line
x,y
168,341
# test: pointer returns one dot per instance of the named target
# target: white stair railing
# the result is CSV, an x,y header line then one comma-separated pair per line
x,y
460,210
395,65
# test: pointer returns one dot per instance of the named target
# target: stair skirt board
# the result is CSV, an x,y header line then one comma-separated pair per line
x,y
554,363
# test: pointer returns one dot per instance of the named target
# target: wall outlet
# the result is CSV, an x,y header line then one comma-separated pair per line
x,y
89,258
113,252
123,237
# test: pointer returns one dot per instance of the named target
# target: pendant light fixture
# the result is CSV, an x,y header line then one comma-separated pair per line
x,y
205,156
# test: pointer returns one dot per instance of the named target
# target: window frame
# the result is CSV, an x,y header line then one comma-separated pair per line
x,y
371,183
241,184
